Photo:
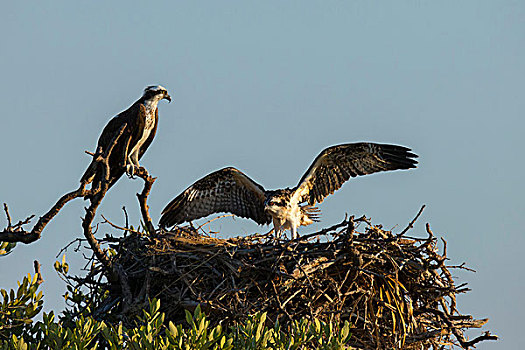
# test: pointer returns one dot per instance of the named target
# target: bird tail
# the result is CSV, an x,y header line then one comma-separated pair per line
x,y
89,174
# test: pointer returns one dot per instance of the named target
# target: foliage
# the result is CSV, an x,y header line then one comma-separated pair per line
x,y
6,248
18,331
18,309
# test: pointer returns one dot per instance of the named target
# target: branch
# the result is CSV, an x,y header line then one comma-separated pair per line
x,y
211,220
411,224
485,336
96,199
457,333
17,234
6,209
124,229
143,198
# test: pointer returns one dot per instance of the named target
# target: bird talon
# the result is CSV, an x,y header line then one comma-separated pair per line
x,y
130,171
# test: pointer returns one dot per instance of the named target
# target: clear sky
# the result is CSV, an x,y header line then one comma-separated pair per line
x,y
264,86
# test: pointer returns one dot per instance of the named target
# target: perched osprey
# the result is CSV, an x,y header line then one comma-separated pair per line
x,y
230,190
141,121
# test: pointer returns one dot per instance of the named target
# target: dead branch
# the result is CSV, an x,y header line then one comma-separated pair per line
x,y
211,220
124,229
411,224
143,198
96,199
16,233
6,209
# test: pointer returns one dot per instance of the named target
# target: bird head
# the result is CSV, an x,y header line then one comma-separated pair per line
x,y
156,92
277,201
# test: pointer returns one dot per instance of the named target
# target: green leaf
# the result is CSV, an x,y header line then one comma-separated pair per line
x,y
345,331
189,318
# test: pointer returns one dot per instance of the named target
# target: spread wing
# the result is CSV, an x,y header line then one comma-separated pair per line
x,y
227,190
336,164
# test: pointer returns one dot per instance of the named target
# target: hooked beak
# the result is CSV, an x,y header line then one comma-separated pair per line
x,y
167,97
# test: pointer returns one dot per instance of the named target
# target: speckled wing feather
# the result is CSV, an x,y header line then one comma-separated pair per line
x,y
227,190
151,136
336,164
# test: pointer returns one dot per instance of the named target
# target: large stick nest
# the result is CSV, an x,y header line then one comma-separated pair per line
x,y
397,291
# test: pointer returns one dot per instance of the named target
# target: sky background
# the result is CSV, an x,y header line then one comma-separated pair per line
x,y
265,86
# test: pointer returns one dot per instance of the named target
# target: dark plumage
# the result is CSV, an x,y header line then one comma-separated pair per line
x,y
335,165
225,190
141,121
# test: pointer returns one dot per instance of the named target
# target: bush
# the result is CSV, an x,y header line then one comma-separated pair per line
x,y
19,331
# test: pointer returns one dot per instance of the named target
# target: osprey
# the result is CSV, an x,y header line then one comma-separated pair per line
x,y
230,190
141,121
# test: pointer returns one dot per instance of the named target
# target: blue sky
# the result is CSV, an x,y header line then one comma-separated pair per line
x,y
265,86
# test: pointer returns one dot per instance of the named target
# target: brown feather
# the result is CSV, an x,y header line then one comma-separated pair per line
x,y
335,165
134,118
225,190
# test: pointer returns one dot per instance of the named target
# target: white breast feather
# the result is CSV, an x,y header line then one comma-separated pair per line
x,y
151,106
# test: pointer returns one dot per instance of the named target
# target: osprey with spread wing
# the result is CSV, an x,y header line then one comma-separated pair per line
x,y
230,190
140,120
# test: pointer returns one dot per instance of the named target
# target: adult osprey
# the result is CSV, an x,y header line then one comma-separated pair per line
x,y
230,190
141,121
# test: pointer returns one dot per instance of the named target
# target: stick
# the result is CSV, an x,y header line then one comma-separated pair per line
x,y
411,224
143,198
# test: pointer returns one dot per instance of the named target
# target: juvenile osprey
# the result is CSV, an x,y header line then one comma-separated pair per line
x,y
230,190
141,121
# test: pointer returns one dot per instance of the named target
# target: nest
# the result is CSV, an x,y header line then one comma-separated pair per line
x,y
397,291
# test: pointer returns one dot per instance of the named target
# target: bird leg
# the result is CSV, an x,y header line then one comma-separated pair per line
x,y
294,231
130,170
277,229
132,165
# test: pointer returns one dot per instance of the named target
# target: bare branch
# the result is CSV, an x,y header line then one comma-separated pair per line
x,y
211,220
485,336
6,209
411,224
143,198
17,234
96,199
125,229
126,216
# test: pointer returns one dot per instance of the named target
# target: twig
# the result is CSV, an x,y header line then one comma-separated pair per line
x,y
457,333
485,336
6,209
106,221
411,224
126,216
68,245
211,220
